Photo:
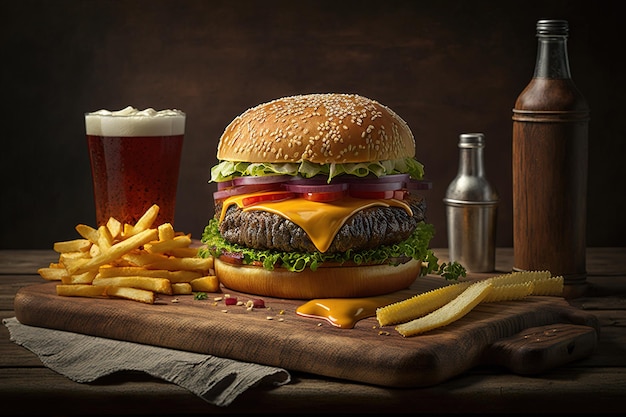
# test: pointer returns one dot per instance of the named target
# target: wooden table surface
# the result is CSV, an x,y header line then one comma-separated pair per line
x,y
593,385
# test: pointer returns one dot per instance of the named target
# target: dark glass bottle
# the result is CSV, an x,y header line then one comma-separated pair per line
x,y
550,148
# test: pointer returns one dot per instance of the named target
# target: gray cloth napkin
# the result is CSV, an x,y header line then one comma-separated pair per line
x,y
84,358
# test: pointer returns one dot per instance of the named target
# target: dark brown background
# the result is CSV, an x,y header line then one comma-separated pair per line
x,y
447,67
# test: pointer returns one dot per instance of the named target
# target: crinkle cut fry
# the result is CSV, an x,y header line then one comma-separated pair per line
x,y
419,304
450,312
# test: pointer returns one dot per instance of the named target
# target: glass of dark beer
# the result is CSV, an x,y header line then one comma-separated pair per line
x,y
135,160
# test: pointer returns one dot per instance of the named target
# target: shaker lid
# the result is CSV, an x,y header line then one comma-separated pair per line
x,y
472,140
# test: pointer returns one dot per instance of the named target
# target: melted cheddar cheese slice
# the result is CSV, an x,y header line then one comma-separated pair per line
x,y
321,221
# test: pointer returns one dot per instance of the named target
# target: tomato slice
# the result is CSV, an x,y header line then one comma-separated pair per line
x,y
400,194
265,197
324,197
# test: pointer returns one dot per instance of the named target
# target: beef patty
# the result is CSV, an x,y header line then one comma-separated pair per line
x,y
367,229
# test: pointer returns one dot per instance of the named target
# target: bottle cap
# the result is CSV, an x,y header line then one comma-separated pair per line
x,y
552,28
471,140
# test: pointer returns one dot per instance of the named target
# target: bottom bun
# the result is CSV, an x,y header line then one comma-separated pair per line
x,y
329,282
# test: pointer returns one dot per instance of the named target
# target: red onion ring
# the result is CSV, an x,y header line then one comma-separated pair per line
x,y
376,186
315,188
245,189
317,180
224,184
419,185
374,179
261,179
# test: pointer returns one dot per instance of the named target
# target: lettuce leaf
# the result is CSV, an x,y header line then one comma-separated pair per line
x,y
227,170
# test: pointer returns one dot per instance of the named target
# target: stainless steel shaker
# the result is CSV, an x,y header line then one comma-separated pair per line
x,y
471,209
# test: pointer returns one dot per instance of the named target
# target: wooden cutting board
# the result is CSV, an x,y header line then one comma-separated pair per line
x,y
525,337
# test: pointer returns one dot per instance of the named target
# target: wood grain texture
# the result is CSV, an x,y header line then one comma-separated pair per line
x,y
550,174
534,351
361,354
594,385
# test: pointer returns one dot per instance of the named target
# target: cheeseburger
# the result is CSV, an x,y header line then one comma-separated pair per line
x,y
317,197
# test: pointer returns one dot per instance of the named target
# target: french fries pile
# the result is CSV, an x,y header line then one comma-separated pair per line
x,y
442,306
135,262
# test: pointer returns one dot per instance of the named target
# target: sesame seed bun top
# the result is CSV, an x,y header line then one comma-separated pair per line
x,y
319,128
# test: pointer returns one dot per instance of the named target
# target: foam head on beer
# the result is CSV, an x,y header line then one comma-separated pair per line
x,y
135,159
130,122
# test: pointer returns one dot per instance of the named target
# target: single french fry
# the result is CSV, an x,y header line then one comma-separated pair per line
x,y
78,266
180,288
115,227
146,219
68,257
160,285
167,245
81,290
107,271
552,286
114,252
73,255
188,264
183,252
87,232
450,312
94,250
120,262
519,277
127,271
127,230
210,283
135,294
509,292
86,277
183,276
143,258
105,240
53,274
419,305
166,232
76,245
